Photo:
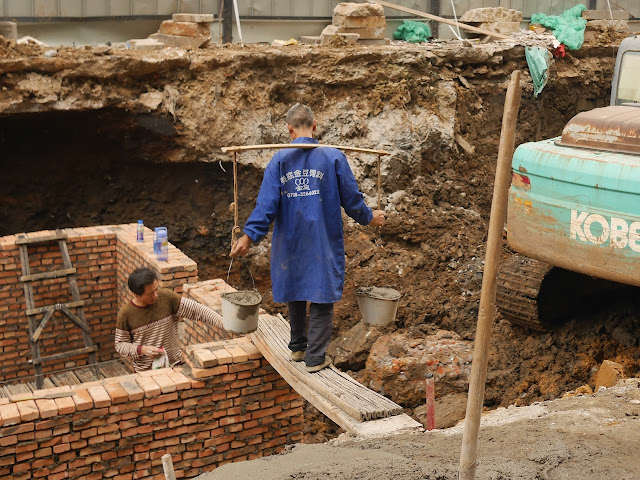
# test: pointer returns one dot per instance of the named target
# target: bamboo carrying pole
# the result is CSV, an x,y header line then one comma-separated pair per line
x,y
468,455
418,13
271,146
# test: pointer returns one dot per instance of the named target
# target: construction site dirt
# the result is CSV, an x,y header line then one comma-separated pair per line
x,y
105,136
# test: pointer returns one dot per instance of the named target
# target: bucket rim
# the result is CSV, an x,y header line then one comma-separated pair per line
x,y
228,296
368,292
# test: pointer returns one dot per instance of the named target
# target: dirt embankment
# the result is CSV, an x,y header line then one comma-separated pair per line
x,y
108,136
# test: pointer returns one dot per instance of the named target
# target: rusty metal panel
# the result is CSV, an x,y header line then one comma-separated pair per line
x,y
74,8
167,7
120,8
45,8
615,129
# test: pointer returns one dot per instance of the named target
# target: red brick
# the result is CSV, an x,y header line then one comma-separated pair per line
x,y
151,388
116,392
28,410
10,415
65,405
82,399
47,407
100,396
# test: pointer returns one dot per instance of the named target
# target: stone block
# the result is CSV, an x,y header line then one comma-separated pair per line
x,y
605,15
505,28
185,29
365,33
349,38
359,22
377,41
9,30
492,14
608,374
146,44
310,39
176,41
359,10
608,25
193,17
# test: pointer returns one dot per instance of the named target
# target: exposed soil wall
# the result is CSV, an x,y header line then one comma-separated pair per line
x,y
104,136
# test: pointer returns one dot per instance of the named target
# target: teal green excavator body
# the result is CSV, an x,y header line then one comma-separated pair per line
x,y
574,201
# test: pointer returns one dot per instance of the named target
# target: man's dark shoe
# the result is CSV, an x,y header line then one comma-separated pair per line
x,y
297,356
317,368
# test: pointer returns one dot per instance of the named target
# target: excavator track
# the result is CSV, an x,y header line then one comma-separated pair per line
x,y
519,282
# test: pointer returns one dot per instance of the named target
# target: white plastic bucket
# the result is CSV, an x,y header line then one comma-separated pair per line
x,y
240,311
378,305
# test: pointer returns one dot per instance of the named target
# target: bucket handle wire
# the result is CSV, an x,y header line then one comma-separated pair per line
x,y
229,272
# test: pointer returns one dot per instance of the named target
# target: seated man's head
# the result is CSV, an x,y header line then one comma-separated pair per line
x,y
143,282
300,122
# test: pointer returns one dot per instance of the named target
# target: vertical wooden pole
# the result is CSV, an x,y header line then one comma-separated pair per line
x,y
468,455
431,401
167,465
435,10
227,21
379,188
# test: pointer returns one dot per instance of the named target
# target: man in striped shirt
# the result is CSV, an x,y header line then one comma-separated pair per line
x,y
148,325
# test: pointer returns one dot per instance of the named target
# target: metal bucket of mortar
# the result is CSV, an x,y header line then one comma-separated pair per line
x,y
240,311
378,305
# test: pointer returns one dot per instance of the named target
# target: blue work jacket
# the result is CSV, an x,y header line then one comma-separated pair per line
x,y
302,191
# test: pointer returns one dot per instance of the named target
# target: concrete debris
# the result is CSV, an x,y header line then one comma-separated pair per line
x,y
359,10
176,41
146,44
51,53
605,15
608,375
506,28
491,15
357,22
185,29
311,39
193,17
151,100
9,30
27,40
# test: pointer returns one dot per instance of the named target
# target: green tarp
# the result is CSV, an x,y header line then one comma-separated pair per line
x,y
412,32
568,27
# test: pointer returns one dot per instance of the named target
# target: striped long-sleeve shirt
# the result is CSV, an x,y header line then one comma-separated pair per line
x,y
157,326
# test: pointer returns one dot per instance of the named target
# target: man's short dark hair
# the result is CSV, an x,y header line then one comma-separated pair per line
x,y
140,278
300,116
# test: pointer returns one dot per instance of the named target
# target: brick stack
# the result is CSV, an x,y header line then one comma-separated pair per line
x,y
495,19
104,257
121,427
185,30
365,19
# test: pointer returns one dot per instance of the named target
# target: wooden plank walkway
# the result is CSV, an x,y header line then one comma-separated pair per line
x,y
351,405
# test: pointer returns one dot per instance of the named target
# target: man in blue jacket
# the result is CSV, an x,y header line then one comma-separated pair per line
x,y
303,191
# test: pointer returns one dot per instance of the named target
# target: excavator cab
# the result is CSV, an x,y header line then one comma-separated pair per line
x,y
625,87
573,215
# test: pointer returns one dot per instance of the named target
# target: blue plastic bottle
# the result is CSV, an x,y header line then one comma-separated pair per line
x,y
156,244
140,232
163,248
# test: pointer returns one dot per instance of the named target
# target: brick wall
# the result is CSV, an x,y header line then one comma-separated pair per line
x,y
104,257
207,293
121,427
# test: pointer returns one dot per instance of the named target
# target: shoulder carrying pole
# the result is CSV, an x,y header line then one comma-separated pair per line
x,y
468,455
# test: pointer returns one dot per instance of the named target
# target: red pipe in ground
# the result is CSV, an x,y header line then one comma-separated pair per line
x,y
431,402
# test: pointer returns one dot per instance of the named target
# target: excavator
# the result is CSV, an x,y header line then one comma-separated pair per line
x,y
573,215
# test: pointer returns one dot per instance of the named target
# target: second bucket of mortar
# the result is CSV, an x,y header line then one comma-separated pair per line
x,y
240,311
378,305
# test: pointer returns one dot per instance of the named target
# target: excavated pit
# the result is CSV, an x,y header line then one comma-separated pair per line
x,y
105,137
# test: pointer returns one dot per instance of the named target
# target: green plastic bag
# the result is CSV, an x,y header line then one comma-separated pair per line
x,y
412,32
568,27
538,59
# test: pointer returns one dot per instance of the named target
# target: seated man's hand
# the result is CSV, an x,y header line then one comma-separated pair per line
x,y
149,351
378,218
241,247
